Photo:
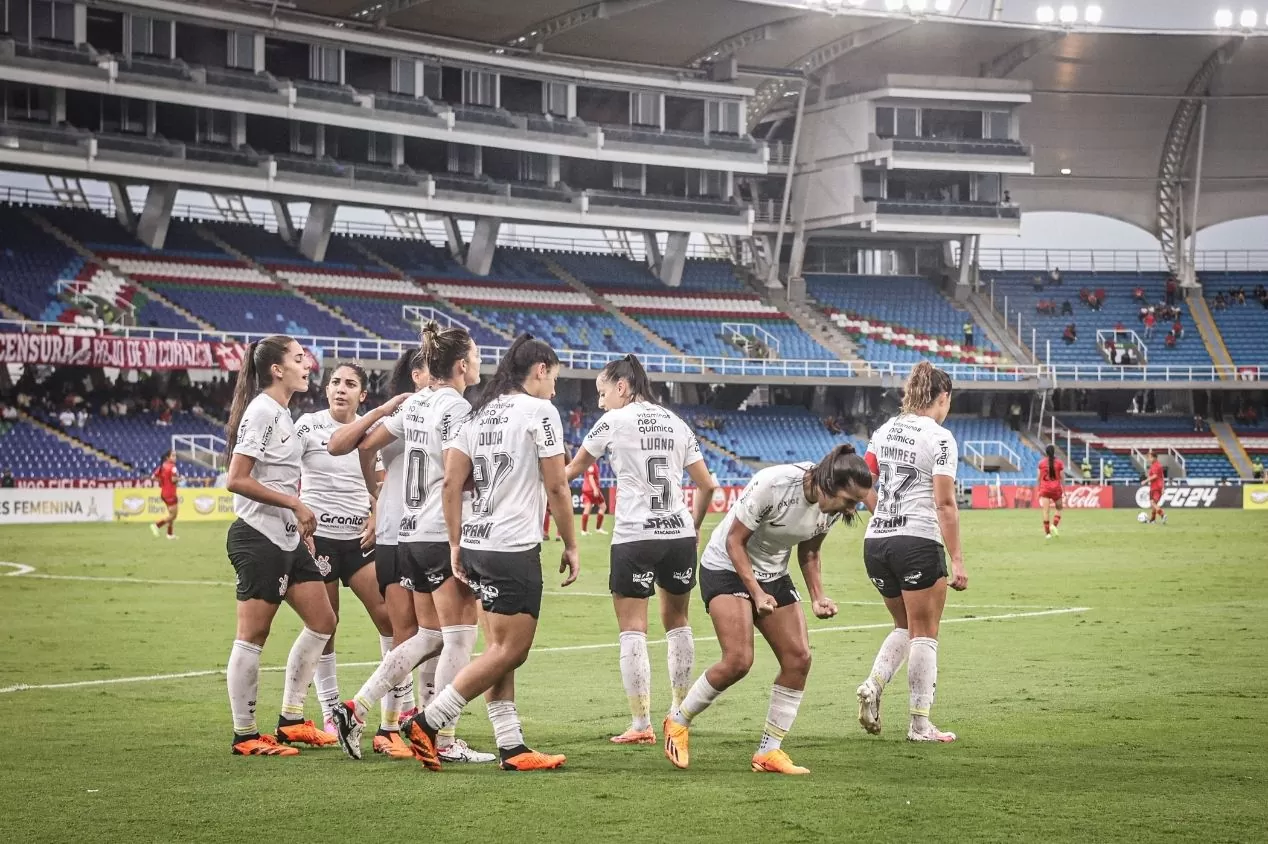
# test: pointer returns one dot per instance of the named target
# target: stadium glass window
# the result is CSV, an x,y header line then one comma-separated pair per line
x,y
479,88
627,176
304,138
557,98
644,109
240,52
724,117
907,123
381,149
325,64
214,126
432,81
149,37
23,102
711,183
133,116
464,158
997,125
53,20
403,77
533,167
873,185
884,122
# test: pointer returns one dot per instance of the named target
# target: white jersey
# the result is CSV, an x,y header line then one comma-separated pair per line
x,y
267,435
774,507
649,448
909,450
332,487
387,524
426,424
506,442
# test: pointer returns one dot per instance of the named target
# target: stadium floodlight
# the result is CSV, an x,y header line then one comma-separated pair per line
x,y
1065,171
1093,14
1046,14
1224,18
942,6
1248,19
1068,14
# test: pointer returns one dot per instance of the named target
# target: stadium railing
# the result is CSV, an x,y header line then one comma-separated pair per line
x,y
1115,260
384,350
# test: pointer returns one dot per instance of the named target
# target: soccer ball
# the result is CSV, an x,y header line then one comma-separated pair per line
x,y
1142,517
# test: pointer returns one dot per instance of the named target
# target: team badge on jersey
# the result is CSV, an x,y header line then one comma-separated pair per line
x,y
323,564
281,585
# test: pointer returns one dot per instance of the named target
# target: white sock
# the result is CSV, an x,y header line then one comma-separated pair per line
x,y
243,676
922,680
399,662
636,675
460,641
889,658
506,724
389,709
444,708
698,699
327,684
682,660
427,680
301,664
784,703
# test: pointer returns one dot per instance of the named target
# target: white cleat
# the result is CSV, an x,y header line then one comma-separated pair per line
x,y
869,708
172,536
1047,536
930,733
460,752
600,530
585,533
1054,531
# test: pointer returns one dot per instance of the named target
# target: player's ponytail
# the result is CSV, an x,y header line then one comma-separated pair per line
x,y
514,367
444,348
841,469
255,375
410,361
630,370
1051,451
924,385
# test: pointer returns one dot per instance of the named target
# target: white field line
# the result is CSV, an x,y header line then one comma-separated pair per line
x,y
157,678
30,572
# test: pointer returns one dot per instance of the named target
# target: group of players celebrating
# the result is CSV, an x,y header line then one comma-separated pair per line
x,y
431,507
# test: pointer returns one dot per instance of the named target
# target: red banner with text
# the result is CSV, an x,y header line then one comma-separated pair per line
x,y
1027,497
117,352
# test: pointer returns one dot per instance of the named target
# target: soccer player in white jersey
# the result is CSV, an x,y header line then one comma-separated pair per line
x,y
445,609
270,546
335,489
511,447
915,524
744,582
654,540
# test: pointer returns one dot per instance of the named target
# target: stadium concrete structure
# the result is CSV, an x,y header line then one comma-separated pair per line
x,y
839,166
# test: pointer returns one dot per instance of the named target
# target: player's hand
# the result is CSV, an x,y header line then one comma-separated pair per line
x,y
824,607
367,534
570,562
959,578
305,519
764,605
390,406
310,545
455,564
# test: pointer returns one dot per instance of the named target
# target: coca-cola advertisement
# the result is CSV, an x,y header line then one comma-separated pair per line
x,y
1027,497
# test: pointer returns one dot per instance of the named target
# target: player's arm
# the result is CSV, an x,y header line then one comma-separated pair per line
x,y
812,572
706,487
457,472
348,437
737,550
581,462
559,497
869,500
240,482
593,445
949,524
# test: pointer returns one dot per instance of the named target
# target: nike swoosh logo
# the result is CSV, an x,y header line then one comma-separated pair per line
x,y
284,439
779,524
367,553
324,443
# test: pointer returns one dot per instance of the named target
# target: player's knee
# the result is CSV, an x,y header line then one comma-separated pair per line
x,y
797,662
736,665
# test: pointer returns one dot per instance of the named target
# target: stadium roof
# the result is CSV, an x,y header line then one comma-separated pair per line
x,y
1108,103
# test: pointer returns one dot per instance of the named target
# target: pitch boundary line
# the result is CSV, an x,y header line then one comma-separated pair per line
x,y
30,572
184,675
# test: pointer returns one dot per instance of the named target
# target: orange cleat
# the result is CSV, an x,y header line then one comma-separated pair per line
x,y
390,744
676,740
263,745
633,736
776,762
422,741
304,732
531,760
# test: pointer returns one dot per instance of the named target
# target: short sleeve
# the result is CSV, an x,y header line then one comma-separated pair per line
x,y
694,455
946,455
600,436
254,433
754,505
304,426
395,424
461,436
451,421
547,429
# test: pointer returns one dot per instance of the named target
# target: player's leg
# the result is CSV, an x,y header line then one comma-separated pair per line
x,y
676,578
630,576
173,510
924,599
890,657
396,587
598,520
308,596
458,612
326,678
585,515
785,632
1057,503
364,585
1047,513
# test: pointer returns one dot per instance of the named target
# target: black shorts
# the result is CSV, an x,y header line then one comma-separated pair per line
x,y
714,583
425,564
340,559
387,568
507,582
897,564
264,570
671,563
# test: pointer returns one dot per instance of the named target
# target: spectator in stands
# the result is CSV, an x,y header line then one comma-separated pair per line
x,y
968,334
1086,468
1256,468
1261,293
8,413
1149,324
1055,276
1008,198
1111,350
1085,294
574,419
1199,424
1014,415
1071,334
1221,301
1238,295
1171,340
6,479
1177,329
1139,294
81,417
1173,288
1066,308
1096,300
1037,283
66,418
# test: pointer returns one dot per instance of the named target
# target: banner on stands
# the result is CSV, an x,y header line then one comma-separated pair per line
x,y
144,504
1180,497
81,483
1255,496
1247,373
117,352
990,497
52,506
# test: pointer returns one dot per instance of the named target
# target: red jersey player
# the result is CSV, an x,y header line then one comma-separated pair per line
x,y
592,496
1157,482
1051,494
167,477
